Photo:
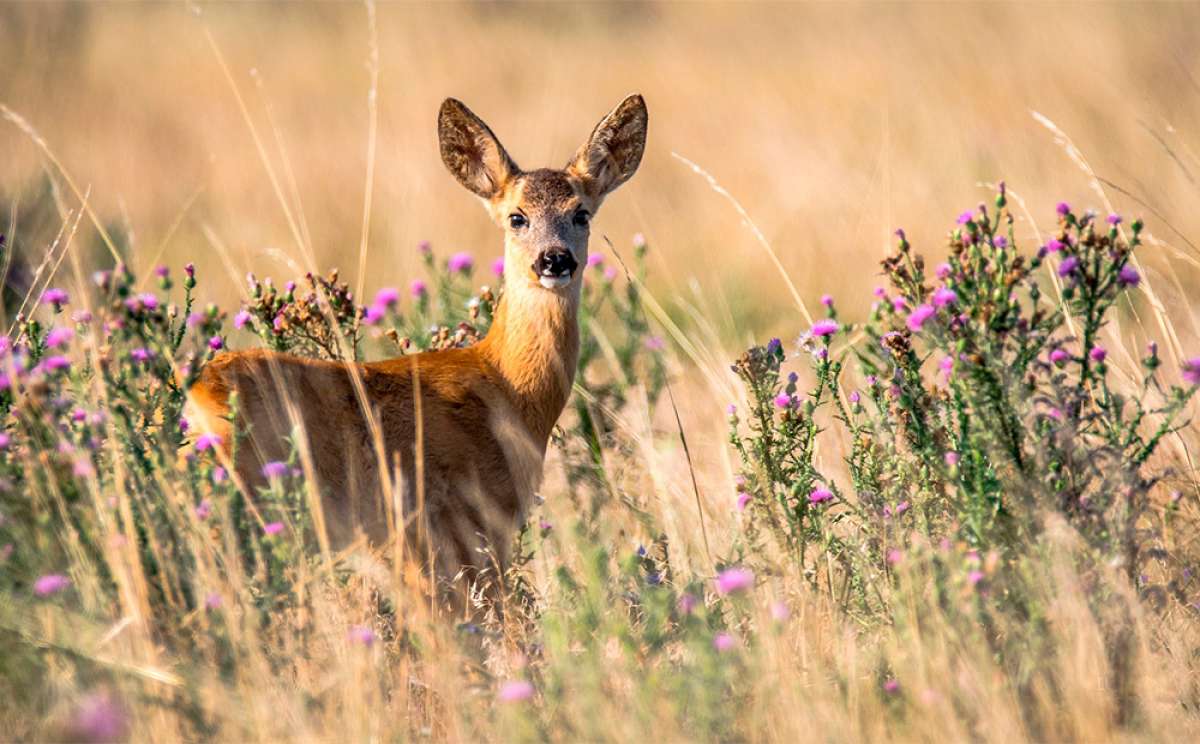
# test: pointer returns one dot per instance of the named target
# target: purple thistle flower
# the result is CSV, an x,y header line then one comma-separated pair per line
x,y
783,400
731,409
203,510
1098,354
944,296
610,273
774,345
734,580
966,217
272,528
1054,245
1114,219
374,314
207,441
50,584
190,269
498,266
215,343
417,288
1060,356
5,441
780,612
944,270
687,603
899,305
56,297
595,259
894,556
99,717
387,297
515,691
1000,242
724,642
655,343
81,316
161,272
743,500
362,635
1191,371
1063,209
460,263
827,300
275,469
141,354
59,337
219,475
820,496
212,601
424,247
824,327
1068,266
194,319
951,458
241,319
902,507
639,240
55,363
1128,276
916,319
891,686
975,576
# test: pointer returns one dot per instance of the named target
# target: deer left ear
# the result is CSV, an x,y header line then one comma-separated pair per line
x,y
472,152
614,151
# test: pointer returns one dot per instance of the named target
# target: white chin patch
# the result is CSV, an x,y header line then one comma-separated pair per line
x,y
555,282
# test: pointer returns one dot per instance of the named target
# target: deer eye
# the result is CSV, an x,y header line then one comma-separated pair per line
x,y
581,218
517,221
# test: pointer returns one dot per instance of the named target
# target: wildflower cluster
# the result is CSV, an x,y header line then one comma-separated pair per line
x,y
985,403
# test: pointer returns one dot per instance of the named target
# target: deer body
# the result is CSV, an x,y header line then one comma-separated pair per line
x,y
460,435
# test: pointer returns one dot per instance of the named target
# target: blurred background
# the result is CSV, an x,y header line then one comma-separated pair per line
x,y
248,126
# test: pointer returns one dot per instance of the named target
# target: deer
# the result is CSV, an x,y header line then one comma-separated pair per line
x,y
443,449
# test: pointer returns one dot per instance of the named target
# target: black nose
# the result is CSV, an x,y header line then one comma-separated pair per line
x,y
555,262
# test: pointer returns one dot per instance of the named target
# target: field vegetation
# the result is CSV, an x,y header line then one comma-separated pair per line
x,y
884,422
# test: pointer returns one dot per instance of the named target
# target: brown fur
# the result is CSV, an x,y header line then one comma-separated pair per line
x,y
486,412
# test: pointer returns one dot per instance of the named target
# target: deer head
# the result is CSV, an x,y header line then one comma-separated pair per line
x,y
545,213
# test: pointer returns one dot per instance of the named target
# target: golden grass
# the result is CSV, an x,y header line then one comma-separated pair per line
x,y
830,125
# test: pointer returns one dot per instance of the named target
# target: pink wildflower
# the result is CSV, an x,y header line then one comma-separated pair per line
x,y
50,584
916,319
515,691
734,580
825,327
460,263
387,297
820,496
944,296
59,337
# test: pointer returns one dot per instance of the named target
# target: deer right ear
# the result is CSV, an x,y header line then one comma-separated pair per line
x,y
472,152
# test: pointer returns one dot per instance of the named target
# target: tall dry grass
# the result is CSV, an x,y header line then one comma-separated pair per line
x,y
830,125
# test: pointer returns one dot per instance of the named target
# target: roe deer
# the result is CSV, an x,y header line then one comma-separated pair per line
x,y
480,417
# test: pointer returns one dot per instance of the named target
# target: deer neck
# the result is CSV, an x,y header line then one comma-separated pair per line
x,y
534,344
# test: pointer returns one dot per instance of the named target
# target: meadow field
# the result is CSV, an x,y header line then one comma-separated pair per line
x,y
884,423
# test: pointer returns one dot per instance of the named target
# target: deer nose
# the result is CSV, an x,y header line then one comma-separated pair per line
x,y
555,262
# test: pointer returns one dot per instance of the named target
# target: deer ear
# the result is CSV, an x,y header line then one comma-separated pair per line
x,y
614,151
472,152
